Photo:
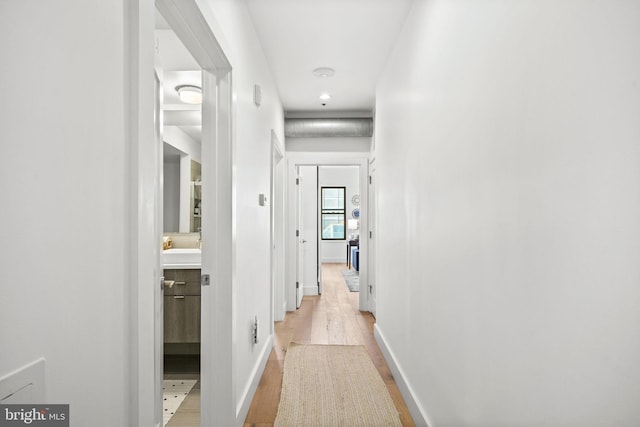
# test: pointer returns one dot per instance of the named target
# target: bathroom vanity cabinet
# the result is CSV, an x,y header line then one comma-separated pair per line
x,y
182,306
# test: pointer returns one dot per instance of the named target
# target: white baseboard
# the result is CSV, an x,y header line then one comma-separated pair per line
x,y
336,260
278,317
310,290
254,380
416,410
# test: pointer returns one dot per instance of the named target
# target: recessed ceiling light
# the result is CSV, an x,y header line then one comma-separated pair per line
x,y
189,94
324,72
325,97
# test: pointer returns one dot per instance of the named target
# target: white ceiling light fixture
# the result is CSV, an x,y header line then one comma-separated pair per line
x,y
189,94
324,72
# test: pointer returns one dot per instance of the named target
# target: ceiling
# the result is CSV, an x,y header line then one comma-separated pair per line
x,y
354,37
178,68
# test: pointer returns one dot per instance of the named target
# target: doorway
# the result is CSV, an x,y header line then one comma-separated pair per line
x,y
179,126
316,161
145,218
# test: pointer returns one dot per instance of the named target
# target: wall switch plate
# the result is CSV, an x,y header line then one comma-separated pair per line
x,y
262,200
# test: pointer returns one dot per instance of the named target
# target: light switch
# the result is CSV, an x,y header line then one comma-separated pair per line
x,y
262,200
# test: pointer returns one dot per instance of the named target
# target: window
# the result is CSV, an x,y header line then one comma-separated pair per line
x,y
332,213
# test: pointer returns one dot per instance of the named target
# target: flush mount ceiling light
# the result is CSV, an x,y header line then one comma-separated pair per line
x,y
324,72
189,94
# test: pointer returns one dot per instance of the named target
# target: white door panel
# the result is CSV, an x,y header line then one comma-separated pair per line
x,y
372,211
309,230
300,258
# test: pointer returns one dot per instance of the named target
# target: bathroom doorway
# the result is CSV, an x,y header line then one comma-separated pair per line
x,y
196,330
179,93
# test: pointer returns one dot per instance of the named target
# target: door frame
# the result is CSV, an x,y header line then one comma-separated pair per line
x,y
278,309
187,20
372,236
309,263
295,159
299,248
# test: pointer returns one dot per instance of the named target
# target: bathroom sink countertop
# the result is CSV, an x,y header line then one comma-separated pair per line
x,y
182,258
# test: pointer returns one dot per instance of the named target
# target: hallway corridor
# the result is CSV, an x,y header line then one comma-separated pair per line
x,y
330,318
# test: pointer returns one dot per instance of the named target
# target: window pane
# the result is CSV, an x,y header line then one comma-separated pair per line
x,y
333,213
333,226
333,198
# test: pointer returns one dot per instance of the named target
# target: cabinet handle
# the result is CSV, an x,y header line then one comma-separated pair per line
x,y
178,297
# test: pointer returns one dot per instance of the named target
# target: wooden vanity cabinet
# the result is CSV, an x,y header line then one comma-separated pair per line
x,y
182,307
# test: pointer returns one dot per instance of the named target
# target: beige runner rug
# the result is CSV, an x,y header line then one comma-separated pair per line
x,y
333,385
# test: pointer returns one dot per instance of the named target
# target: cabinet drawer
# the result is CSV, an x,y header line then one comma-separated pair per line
x,y
187,282
181,319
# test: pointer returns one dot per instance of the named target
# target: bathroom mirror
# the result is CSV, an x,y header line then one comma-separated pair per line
x,y
182,191
181,134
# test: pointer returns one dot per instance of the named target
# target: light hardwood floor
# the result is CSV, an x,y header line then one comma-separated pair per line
x,y
331,318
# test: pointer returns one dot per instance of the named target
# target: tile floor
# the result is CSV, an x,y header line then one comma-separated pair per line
x,y
185,368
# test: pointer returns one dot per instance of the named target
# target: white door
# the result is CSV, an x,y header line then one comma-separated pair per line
x,y
158,294
300,240
372,210
309,230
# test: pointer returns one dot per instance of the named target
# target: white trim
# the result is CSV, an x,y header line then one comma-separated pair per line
x,y
142,251
324,159
337,260
252,385
310,290
419,415
140,254
218,254
277,225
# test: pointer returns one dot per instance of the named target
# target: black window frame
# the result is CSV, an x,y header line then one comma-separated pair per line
x,y
342,212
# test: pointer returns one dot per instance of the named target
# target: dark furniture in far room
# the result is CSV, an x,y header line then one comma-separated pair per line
x,y
350,244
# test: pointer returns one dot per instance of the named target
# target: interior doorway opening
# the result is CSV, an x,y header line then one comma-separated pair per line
x,y
180,138
207,219
337,218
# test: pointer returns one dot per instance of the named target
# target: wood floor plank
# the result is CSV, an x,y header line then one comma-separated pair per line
x,y
330,318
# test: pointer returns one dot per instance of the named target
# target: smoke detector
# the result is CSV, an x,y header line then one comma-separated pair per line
x,y
323,72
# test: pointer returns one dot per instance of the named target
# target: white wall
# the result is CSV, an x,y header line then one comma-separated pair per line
x,y
62,184
507,145
232,27
339,176
178,139
171,197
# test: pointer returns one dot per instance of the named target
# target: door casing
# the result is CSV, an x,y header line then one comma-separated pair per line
x,y
294,160
145,236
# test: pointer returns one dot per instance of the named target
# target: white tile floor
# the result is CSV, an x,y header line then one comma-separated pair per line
x,y
174,393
